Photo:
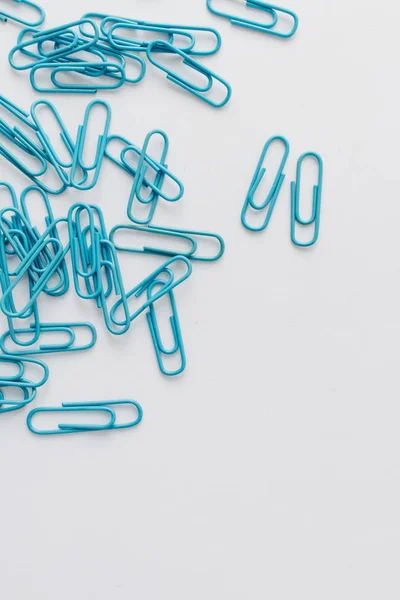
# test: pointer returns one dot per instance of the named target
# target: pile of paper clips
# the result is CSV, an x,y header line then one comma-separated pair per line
x,y
34,262
98,56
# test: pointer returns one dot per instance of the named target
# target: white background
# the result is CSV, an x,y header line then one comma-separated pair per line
x,y
270,469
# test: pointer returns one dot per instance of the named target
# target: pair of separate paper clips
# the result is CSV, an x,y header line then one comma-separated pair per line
x,y
18,381
269,203
276,13
106,409
14,16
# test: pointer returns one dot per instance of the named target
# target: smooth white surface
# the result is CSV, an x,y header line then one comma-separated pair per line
x,y
271,468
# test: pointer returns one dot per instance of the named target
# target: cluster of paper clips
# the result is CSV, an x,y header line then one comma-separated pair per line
x,y
20,11
97,52
33,259
266,207
277,15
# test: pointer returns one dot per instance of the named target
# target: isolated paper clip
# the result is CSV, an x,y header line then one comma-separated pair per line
x,y
199,91
106,408
275,12
273,193
314,219
17,19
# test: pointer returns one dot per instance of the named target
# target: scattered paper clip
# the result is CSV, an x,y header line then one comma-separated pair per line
x,y
160,350
314,219
275,12
199,91
99,408
4,16
273,193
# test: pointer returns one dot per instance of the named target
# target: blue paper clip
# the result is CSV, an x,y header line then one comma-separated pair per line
x,y
21,363
69,428
122,43
271,9
187,236
199,91
85,407
62,270
83,88
85,250
25,267
159,347
76,44
113,403
12,17
46,328
142,168
28,391
80,143
273,192
316,201
16,111
187,28
111,267
45,139
136,291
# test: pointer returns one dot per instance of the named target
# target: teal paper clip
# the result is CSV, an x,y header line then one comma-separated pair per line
x,y
110,267
190,29
122,43
21,364
274,11
16,111
273,193
75,44
14,17
49,328
160,350
114,71
68,428
199,91
28,391
141,287
45,140
85,250
113,404
86,407
25,267
80,144
186,236
50,222
316,202
161,169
